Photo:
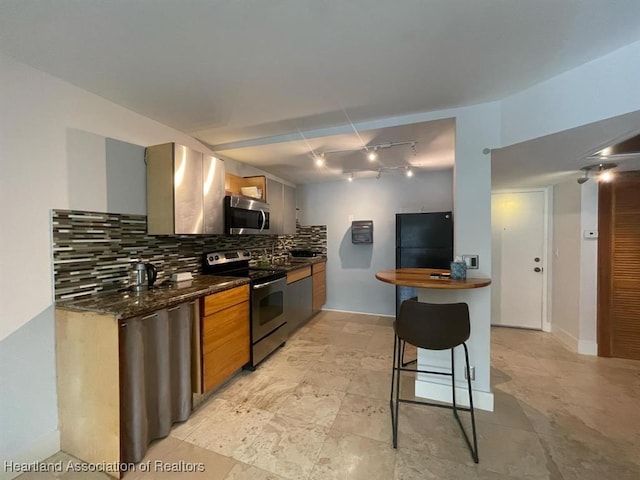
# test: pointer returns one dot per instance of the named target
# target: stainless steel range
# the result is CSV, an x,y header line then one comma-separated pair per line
x,y
268,323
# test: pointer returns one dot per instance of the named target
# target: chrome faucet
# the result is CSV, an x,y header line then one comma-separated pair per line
x,y
273,249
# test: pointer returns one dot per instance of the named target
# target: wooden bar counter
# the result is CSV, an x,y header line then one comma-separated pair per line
x,y
434,286
428,278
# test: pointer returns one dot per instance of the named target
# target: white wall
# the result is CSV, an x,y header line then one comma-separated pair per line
x,y
587,341
600,89
565,257
351,283
53,157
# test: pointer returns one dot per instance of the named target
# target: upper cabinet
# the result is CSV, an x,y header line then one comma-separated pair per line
x,y
289,213
254,187
185,191
282,207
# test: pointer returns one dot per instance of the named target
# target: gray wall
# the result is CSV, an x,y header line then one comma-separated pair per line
x,y
27,386
351,282
126,178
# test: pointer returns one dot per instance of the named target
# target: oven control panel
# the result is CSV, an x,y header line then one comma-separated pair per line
x,y
220,258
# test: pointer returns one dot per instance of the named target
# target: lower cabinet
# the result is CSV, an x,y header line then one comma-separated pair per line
x,y
319,285
121,383
225,335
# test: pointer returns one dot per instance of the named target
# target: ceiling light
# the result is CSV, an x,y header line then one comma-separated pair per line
x,y
409,172
605,176
320,160
602,170
584,177
350,178
372,155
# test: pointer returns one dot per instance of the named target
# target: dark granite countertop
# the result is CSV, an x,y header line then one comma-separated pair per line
x,y
125,304
296,263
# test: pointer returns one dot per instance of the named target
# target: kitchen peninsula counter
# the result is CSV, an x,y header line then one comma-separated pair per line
x,y
127,304
429,278
434,287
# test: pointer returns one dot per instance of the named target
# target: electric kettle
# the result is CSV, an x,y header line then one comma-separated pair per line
x,y
145,275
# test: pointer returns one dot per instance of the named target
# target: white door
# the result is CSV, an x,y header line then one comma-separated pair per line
x,y
518,239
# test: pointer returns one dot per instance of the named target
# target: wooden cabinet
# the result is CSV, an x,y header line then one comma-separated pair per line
x,y
319,285
225,335
233,184
121,383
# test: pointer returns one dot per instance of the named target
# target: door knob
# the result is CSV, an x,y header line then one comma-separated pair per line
x,y
537,269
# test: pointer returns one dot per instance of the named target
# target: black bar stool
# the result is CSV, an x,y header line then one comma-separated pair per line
x,y
432,326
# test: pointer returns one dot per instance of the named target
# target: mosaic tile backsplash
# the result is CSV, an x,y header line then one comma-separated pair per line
x,y
95,252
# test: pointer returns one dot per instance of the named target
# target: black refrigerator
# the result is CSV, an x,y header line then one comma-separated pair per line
x,y
423,240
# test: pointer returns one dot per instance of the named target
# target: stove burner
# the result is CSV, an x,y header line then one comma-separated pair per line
x,y
236,264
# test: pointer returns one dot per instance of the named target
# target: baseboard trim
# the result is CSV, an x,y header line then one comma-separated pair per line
x,y
442,393
42,448
359,313
565,337
587,348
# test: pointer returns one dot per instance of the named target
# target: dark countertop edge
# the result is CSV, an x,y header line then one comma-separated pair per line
x,y
301,262
117,304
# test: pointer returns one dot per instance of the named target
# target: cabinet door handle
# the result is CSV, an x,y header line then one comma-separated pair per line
x,y
150,316
174,308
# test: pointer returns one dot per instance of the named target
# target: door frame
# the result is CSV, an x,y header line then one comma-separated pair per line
x,y
547,227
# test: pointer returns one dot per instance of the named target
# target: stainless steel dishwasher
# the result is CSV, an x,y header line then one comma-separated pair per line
x,y
298,303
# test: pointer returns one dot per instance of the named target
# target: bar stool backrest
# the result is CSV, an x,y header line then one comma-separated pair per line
x,y
434,326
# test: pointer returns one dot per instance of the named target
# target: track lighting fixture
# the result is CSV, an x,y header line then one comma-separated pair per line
x,y
407,169
371,151
320,160
602,173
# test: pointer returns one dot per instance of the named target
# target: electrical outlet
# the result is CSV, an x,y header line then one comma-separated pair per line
x,y
472,261
589,234
472,371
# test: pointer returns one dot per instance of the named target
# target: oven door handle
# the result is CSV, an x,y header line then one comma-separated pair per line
x,y
264,220
263,285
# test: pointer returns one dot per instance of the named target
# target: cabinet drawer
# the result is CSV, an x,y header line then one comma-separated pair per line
x,y
225,343
319,289
298,274
319,267
220,301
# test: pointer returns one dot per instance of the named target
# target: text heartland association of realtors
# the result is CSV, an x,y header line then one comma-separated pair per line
x,y
106,467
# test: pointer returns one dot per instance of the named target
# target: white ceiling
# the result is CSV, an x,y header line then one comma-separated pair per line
x,y
230,71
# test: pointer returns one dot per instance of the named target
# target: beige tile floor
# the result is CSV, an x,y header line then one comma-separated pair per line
x,y
318,409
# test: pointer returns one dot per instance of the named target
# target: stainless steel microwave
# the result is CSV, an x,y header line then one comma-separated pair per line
x,y
244,216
